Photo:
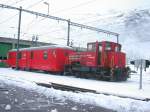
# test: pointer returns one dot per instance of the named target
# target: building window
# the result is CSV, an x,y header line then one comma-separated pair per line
x,y
45,55
4,58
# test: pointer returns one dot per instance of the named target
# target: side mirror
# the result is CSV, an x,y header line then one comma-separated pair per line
x,y
132,62
147,63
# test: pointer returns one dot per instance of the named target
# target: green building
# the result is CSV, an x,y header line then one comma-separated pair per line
x,y
9,43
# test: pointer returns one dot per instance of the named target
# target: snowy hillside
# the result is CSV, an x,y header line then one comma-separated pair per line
x,y
136,31
133,27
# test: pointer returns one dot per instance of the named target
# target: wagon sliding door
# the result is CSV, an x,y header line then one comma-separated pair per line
x,y
28,59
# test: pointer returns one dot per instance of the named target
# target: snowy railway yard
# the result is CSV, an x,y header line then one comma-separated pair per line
x,y
46,46
18,99
81,101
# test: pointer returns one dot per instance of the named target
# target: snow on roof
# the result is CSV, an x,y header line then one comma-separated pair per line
x,y
43,47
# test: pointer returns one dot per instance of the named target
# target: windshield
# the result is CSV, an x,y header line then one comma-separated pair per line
x,y
91,47
118,48
100,47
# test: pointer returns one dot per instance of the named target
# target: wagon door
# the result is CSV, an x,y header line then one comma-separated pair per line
x,y
28,59
22,59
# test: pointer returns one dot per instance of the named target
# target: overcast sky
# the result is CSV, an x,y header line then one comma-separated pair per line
x,y
70,7
81,11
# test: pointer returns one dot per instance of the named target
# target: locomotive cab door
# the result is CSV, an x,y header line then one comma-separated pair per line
x,y
97,49
99,54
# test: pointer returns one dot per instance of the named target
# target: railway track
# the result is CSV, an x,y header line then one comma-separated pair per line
x,y
73,89
77,90
66,87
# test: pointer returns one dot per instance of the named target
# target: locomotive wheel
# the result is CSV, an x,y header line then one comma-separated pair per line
x,y
67,70
13,67
27,69
113,78
86,75
124,78
99,77
78,75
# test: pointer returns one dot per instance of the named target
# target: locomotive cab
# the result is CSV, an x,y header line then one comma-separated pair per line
x,y
104,51
105,45
101,60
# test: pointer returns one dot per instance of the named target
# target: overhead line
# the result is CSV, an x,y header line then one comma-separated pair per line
x,y
30,7
16,9
61,19
72,23
8,19
14,3
93,28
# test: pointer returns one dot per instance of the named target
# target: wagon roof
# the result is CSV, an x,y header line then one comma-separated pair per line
x,y
43,47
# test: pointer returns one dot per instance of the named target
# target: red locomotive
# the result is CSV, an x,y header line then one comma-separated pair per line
x,y
101,60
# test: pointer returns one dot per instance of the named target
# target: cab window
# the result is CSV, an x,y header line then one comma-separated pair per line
x,y
91,47
100,47
108,47
117,48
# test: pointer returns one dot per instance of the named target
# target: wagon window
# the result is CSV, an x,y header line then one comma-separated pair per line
x,y
45,55
32,55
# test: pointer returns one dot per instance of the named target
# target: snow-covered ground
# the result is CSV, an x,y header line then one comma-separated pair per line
x,y
128,88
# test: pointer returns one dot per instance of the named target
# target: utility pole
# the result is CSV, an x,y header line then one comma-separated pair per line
x,y
46,3
18,39
36,40
117,39
14,43
68,36
141,68
143,64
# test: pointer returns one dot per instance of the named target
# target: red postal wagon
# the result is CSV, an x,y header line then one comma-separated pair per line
x,y
47,58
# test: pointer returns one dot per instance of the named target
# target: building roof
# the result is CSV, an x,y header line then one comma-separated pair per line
x,y
23,42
